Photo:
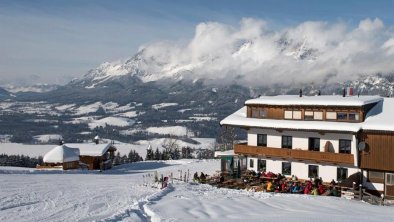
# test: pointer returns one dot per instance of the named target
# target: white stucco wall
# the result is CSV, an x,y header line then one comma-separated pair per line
x,y
300,139
326,172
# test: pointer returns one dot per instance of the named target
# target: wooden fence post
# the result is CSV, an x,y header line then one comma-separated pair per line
x,y
360,192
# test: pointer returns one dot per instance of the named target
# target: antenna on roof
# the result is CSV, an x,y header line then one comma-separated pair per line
x,y
344,92
300,92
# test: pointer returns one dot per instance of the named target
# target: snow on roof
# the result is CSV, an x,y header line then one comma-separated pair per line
x,y
380,117
61,154
91,149
225,153
326,100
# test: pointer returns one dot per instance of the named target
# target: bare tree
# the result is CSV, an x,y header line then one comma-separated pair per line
x,y
226,138
171,147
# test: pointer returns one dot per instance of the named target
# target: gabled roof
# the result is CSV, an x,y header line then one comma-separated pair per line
x,y
61,154
91,149
326,100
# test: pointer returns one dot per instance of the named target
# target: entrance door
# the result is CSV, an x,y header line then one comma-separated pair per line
x,y
389,189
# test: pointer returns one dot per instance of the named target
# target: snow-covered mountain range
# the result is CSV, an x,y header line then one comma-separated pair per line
x,y
197,83
147,67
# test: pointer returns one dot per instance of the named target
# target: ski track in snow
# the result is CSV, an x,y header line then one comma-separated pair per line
x,y
119,194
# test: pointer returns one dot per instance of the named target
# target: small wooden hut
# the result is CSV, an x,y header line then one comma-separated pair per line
x,y
61,157
95,155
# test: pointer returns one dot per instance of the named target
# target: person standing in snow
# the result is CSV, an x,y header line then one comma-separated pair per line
x,y
202,177
195,177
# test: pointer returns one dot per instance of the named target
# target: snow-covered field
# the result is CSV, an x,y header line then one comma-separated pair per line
x,y
163,105
124,148
126,193
47,137
41,150
171,130
112,121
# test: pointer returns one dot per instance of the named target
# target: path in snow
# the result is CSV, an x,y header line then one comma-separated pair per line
x,y
114,195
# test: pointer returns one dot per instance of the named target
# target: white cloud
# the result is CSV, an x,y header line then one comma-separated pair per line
x,y
255,55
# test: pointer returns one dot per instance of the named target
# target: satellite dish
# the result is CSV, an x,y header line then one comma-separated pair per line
x,y
362,146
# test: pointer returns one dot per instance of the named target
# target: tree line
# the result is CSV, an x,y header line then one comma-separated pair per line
x,y
132,157
19,161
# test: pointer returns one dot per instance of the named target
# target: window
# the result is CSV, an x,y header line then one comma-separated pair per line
x,y
375,176
251,163
308,115
313,171
263,113
341,174
342,116
262,165
292,114
286,168
296,114
354,116
313,115
259,112
261,139
331,115
255,113
318,115
287,142
345,146
390,179
288,114
314,144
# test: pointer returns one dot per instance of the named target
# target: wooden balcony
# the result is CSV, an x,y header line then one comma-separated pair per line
x,y
295,154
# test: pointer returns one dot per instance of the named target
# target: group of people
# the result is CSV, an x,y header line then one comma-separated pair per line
x,y
201,179
280,184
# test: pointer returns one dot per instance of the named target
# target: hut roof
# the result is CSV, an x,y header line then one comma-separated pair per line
x,y
61,154
91,149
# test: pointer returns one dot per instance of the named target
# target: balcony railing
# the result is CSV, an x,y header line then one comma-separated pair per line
x,y
336,158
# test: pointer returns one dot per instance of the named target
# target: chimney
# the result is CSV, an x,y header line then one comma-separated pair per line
x,y
300,92
319,93
96,139
344,92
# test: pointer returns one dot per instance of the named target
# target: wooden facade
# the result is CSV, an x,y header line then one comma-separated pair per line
x,y
378,156
99,162
379,152
64,166
278,112
295,154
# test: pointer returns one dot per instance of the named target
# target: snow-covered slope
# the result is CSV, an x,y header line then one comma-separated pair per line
x,y
127,193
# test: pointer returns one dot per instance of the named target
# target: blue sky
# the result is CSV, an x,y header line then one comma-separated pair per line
x,y
53,41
